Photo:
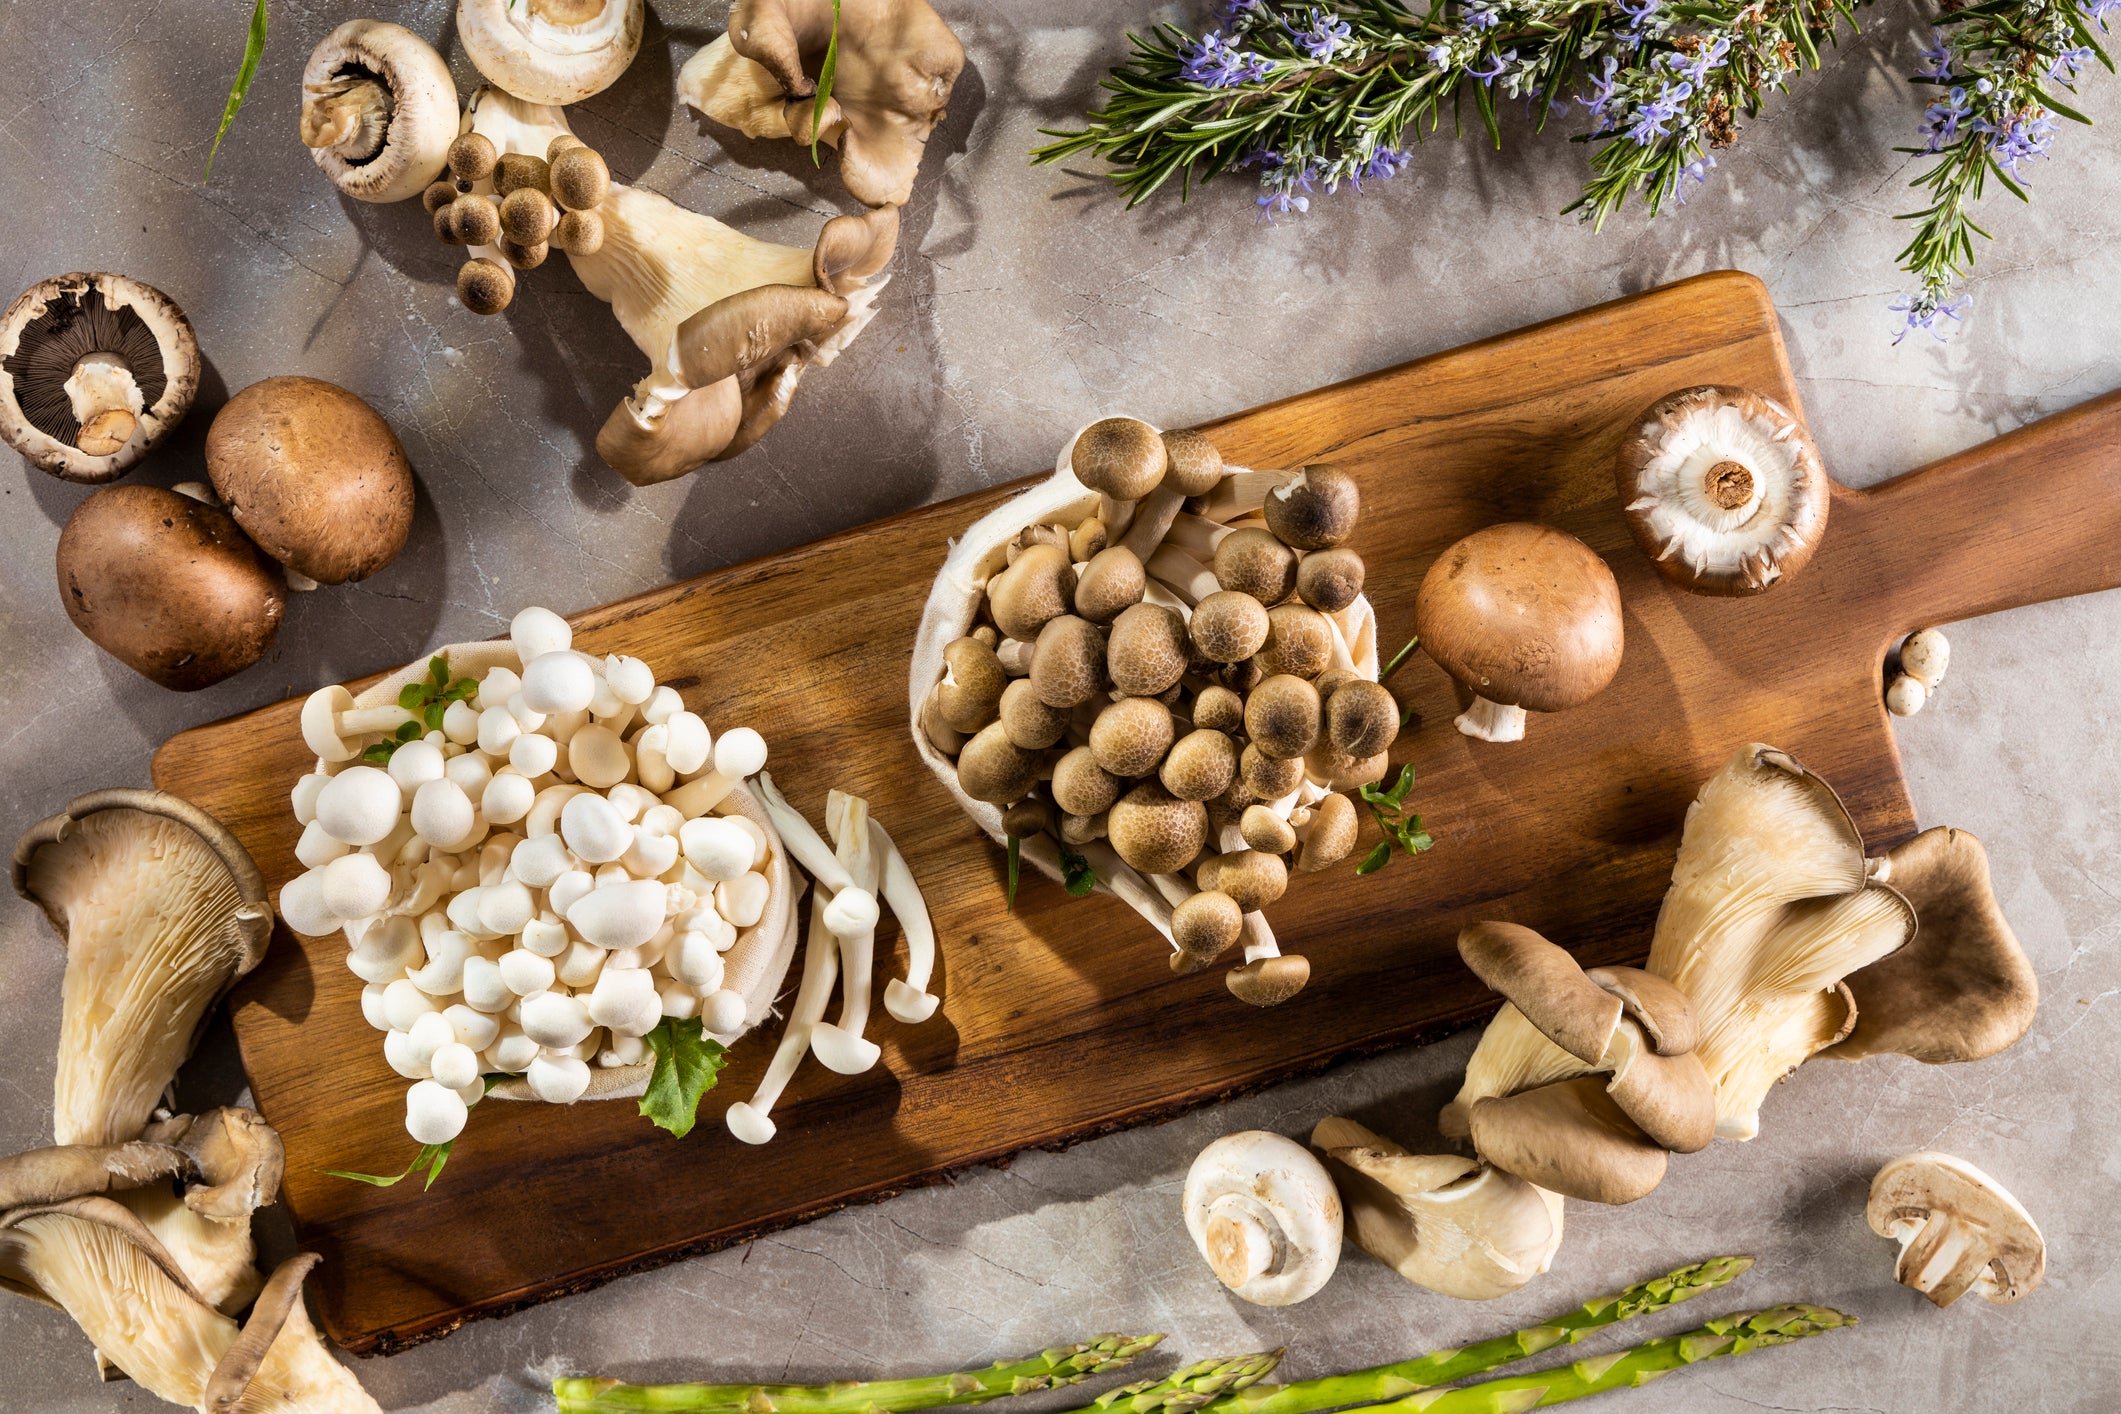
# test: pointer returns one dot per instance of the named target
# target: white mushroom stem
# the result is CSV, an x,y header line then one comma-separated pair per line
x,y
750,1120
842,1047
1186,577
1118,516
105,401
1114,874
1197,535
1258,938
1015,654
805,846
1241,493
909,1000
1152,521
1492,721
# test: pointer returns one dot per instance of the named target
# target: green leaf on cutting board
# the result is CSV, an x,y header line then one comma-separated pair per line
x,y
686,1064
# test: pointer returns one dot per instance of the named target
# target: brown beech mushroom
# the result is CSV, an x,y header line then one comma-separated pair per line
x,y
994,769
1329,836
1315,509
1251,561
1330,580
1266,977
1219,709
970,695
1253,879
1080,786
1525,618
95,369
314,475
1203,927
1030,723
1959,1230
1228,626
896,64
1154,831
1110,583
1723,490
1267,776
1192,467
1130,736
1265,831
1362,718
162,912
1201,765
1282,717
1146,650
1120,458
379,110
169,586
1033,591
1068,662
1299,641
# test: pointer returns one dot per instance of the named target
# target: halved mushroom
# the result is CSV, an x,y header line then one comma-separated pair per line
x,y
95,369
551,51
379,110
896,64
1452,1224
1723,490
1959,1230
1264,1212
1525,618
162,911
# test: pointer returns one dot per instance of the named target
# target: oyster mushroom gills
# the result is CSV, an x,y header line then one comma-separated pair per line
x,y
1265,1215
1723,490
1959,1230
95,370
1116,667
378,110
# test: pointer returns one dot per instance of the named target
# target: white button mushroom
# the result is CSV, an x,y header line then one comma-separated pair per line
x,y
404,1003
1925,655
526,973
625,1000
620,915
434,1113
536,632
557,1080
1265,1214
630,679
485,989
1906,696
511,1050
414,764
454,1065
558,682
717,847
441,812
593,829
356,885
360,805
555,1019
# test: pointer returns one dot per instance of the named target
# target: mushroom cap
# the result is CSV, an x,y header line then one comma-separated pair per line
x,y
1315,509
314,475
1201,765
1959,1230
994,769
1268,777
1268,981
1659,1008
1030,723
1030,816
1962,989
1068,661
1266,831
740,334
851,249
1251,561
1544,983
1524,615
581,180
1146,650
1203,926
423,109
1299,641
54,325
1253,878
691,430
1033,591
168,586
1330,836
1219,709
1571,1138
1362,718
1282,716
1330,580
1193,466
1080,786
1119,457
1111,582
550,53
1671,1098
162,911
1228,626
1264,1212
1723,490
1154,831
1131,735
1334,769
971,695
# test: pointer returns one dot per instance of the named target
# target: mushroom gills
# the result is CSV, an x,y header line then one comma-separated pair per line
x,y
84,369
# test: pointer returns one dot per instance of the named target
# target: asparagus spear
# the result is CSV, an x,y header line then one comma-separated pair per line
x,y
1726,1335
1049,1369
1189,1388
1448,1366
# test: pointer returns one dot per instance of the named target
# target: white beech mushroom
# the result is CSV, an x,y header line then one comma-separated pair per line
x,y
751,1120
1525,618
841,1046
162,912
1455,1225
1264,1212
907,998
896,63
551,51
1925,656
95,369
1723,490
1959,1230
379,110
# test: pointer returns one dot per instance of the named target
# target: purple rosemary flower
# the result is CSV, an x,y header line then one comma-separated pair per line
x,y
1941,120
1641,13
1383,163
1216,62
1699,64
1491,68
1654,119
1325,36
1237,13
1600,96
1936,60
1439,56
2097,10
1924,312
2068,64
1480,17
1696,172
2024,136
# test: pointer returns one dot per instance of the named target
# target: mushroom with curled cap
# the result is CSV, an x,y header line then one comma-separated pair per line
x,y
895,66
1723,490
551,51
162,911
1962,989
379,110
1453,1224
1525,618
1571,1138
235,1161
1959,1230
1315,509
95,370
1264,1212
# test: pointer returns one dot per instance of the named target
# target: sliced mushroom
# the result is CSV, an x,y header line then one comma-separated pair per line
x,y
551,51
1959,1230
1264,1212
379,110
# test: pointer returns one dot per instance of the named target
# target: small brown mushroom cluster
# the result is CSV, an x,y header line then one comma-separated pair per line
x,y
1177,688
519,204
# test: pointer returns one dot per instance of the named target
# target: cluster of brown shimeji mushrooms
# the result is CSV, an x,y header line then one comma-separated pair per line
x,y
727,323
137,1222
1166,666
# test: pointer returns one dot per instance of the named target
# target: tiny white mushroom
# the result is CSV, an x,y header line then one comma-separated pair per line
x,y
567,889
533,754
662,704
1925,655
507,798
316,847
557,1080
625,1000
680,1002
743,900
485,989
355,885
384,953
547,937
537,862
506,908
404,1003
623,1050
696,961
434,1113
334,728
460,723
558,683
652,853
526,973
511,1050
741,752
651,760
1264,1212
372,1006
1906,696
544,816
722,1014
717,847
496,688
555,1019
908,998
619,915
414,764
687,743
597,757
579,966
360,805
442,975
851,917
304,796
399,1054
593,829
454,1065
470,1026
630,679
497,731
751,1120
469,773
429,1033
441,812
536,632
302,905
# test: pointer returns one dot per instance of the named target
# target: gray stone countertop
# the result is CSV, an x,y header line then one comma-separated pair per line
x,y
1027,300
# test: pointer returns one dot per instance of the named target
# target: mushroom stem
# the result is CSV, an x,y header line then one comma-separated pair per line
x,y
1152,521
335,112
749,1119
909,1000
105,401
842,1047
1183,575
805,846
1491,721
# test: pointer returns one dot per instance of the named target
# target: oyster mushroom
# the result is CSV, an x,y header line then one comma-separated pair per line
x,y
1264,1212
551,51
1959,1230
162,912
379,110
1723,490
1569,1137
314,475
233,1166
1452,1224
95,369
896,64
1524,617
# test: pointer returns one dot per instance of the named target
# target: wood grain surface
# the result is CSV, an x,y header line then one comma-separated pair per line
x,y
1061,1020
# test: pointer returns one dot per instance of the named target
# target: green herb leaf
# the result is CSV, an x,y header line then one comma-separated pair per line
x,y
1016,864
825,73
686,1064
432,715
253,51
1377,858
413,696
379,753
1081,879
431,1157
407,731
438,670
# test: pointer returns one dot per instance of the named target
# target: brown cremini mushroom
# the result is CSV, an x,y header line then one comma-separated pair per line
x,y
1314,509
314,475
1251,561
1959,1230
1145,650
379,110
1131,735
1154,831
1524,617
169,586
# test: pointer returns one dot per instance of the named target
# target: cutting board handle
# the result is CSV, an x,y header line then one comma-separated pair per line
x,y
2031,516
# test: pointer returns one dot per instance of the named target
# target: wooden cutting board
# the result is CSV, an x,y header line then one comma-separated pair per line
x,y
1061,1020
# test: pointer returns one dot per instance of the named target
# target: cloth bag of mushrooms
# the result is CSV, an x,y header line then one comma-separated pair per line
x,y
1166,666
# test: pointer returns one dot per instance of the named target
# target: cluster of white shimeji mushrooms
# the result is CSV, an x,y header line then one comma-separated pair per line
x,y
538,883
